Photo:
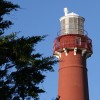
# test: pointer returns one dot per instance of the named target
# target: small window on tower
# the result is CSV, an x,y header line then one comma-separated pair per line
x,y
78,41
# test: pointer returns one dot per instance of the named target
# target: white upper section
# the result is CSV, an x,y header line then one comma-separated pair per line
x,y
71,23
72,14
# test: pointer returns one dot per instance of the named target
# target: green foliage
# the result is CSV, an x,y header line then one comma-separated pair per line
x,y
5,8
21,68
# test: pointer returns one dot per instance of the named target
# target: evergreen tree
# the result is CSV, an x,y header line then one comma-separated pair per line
x,y
21,68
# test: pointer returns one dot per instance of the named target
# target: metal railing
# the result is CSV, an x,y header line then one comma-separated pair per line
x,y
80,31
72,44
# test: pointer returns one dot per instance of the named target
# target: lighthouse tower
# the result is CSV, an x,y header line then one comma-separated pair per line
x,y
72,47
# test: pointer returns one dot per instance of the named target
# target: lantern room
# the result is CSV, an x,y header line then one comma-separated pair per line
x,y
71,23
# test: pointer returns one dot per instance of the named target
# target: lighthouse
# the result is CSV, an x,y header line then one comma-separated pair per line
x,y
72,47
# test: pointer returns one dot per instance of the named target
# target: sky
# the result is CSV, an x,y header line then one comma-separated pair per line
x,y
42,17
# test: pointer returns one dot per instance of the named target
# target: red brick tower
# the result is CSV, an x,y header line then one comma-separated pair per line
x,y
72,47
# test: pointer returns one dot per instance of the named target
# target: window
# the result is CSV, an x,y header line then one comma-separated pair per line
x,y
78,40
